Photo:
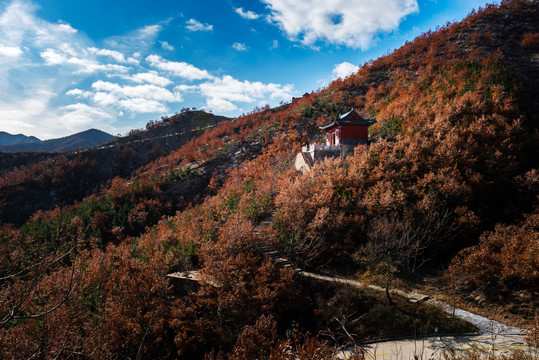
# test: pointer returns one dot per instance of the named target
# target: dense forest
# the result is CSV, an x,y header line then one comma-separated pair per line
x,y
445,197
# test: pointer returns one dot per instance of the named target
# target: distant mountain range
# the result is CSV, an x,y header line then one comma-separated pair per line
x,y
8,139
88,138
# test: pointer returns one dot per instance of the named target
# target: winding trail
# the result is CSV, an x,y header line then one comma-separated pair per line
x,y
484,325
433,347
492,337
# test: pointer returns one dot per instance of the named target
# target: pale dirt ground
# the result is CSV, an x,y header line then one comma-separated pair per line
x,y
434,347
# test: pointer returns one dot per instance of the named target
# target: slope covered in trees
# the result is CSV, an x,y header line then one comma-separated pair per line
x,y
447,187
34,181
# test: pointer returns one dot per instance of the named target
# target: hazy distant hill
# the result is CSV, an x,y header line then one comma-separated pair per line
x,y
88,138
9,139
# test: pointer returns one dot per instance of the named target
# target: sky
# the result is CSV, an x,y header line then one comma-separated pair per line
x,y
67,66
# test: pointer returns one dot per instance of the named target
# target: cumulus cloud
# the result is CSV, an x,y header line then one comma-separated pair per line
x,y
81,116
67,28
344,69
41,61
165,45
19,27
146,91
137,40
150,77
142,106
116,55
79,93
222,93
46,69
247,14
20,113
148,31
146,98
181,69
33,115
81,65
239,47
194,25
10,51
350,23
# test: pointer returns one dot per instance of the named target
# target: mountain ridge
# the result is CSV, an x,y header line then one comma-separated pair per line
x,y
10,139
83,139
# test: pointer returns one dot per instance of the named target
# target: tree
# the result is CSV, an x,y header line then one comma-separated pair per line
x,y
397,243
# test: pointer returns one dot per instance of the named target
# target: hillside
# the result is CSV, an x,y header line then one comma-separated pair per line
x,y
37,180
446,191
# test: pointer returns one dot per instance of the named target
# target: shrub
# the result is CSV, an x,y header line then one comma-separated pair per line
x,y
530,41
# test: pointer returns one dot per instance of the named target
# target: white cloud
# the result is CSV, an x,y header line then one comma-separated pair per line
x,y
46,69
344,69
350,23
165,45
52,57
146,98
247,14
45,64
150,77
239,47
146,91
149,31
275,45
19,27
34,116
81,116
186,88
137,40
79,93
10,51
29,85
221,93
116,55
220,104
81,65
142,105
18,114
194,25
181,69
67,28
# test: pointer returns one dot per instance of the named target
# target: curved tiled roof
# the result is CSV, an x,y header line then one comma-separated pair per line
x,y
345,119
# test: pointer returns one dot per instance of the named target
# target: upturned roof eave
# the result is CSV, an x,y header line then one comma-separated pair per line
x,y
367,122
327,126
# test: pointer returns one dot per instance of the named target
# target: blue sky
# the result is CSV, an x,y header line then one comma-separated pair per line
x,y
67,66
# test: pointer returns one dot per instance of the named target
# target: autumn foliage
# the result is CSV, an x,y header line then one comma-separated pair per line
x,y
447,184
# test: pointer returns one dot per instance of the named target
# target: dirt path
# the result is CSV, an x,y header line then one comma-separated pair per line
x,y
492,338
433,347
484,325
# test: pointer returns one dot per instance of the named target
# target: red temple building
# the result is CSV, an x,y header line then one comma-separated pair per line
x,y
348,129
342,135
